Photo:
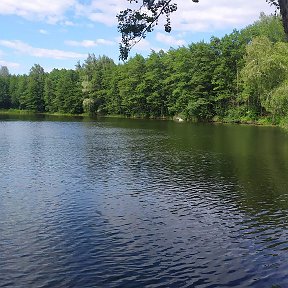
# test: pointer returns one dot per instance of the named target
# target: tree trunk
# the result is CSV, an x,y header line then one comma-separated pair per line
x,y
283,5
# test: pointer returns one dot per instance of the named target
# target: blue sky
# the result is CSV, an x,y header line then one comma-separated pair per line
x,y
58,33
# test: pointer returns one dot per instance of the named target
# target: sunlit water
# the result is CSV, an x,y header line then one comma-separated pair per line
x,y
134,203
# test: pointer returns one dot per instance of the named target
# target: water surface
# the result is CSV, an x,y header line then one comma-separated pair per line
x,y
135,203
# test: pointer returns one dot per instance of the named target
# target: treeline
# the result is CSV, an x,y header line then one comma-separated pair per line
x,y
240,77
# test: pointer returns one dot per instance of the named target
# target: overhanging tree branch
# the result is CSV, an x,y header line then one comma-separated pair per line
x,y
134,24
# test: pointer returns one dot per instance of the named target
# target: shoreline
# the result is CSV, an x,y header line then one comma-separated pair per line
x,y
260,122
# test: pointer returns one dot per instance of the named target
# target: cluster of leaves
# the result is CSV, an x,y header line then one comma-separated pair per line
x,y
265,75
58,91
273,3
134,24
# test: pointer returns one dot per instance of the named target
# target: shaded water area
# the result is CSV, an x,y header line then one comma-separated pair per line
x,y
135,203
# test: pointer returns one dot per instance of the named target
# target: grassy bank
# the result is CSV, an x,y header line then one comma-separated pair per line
x,y
263,121
30,112
16,112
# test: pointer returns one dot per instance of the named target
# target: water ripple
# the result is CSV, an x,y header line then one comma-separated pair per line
x,y
99,205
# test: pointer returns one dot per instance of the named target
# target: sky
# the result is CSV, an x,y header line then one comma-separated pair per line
x,y
59,33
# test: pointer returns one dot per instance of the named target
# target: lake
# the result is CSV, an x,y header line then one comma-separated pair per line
x,y
139,203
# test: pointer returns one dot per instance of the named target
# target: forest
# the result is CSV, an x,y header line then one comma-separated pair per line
x,y
241,77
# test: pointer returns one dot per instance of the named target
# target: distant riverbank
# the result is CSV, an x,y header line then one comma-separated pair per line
x,y
263,121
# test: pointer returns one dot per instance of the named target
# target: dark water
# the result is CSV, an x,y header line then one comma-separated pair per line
x,y
133,203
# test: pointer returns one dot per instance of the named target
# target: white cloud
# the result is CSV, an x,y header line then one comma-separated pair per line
x,y
144,45
208,16
42,31
205,16
9,64
56,11
89,43
102,11
104,42
52,11
68,23
169,40
26,49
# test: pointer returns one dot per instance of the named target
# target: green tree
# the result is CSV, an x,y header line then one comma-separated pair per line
x,y
100,82
96,77
114,100
13,86
89,106
4,71
265,74
50,88
5,100
154,84
189,84
269,26
229,52
22,92
131,87
36,82
202,93
177,75
68,92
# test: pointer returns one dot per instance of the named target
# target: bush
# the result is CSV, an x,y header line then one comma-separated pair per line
x,y
89,106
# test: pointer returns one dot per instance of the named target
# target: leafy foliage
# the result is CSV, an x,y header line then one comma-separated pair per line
x,y
134,24
265,74
4,87
35,97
